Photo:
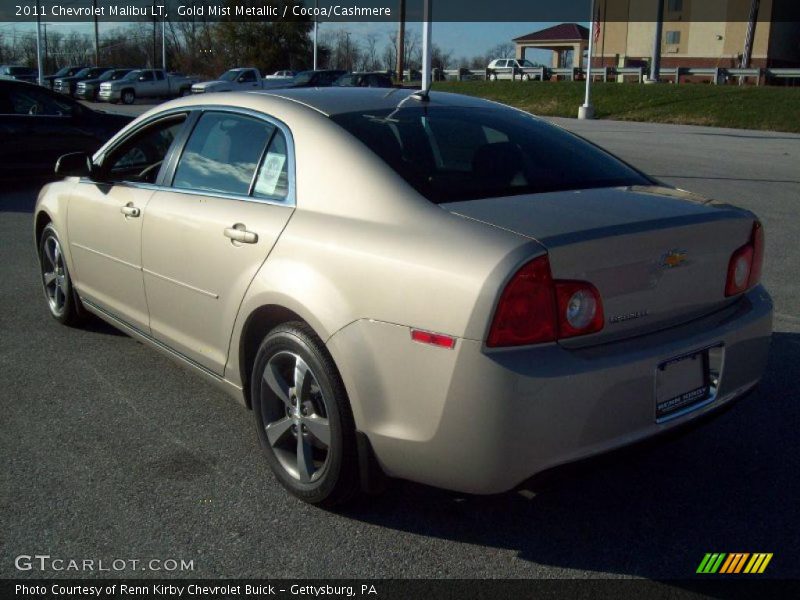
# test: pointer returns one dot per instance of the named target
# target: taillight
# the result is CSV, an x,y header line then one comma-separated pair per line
x,y
744,268
526,312
534,308
757,240
580,310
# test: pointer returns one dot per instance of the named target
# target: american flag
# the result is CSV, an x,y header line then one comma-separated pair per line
x,y
596,32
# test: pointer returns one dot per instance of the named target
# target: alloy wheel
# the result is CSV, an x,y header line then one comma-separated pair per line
x,y
296,417
54,276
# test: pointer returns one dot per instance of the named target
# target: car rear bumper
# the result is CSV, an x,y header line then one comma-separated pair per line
x,y
483,421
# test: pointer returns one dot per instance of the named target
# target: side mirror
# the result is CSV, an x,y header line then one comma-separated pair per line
x,y
75,164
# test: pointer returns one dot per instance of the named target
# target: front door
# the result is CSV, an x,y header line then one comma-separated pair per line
x,y
105,218
205,240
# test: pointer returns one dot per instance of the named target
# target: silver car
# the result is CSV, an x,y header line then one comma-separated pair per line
x,y
430,287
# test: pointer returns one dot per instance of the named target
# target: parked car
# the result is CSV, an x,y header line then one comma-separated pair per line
x,y
63,72
240,79
38,125
89,88
511,68
380,80
19,73
322,78
68,85
427,288
145,83
282,75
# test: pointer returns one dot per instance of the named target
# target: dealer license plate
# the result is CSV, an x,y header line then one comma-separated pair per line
x,y
681,383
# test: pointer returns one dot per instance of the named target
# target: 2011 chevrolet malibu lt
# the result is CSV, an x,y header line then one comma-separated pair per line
x,y
431,287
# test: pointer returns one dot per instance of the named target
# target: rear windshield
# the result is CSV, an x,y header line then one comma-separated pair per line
x,y
449,154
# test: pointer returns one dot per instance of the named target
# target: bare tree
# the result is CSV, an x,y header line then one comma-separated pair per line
x,y
504,50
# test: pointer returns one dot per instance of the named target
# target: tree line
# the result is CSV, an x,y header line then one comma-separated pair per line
x,y
207,48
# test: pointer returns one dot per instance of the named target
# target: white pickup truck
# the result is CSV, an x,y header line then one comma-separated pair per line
x,y
240,80
145,83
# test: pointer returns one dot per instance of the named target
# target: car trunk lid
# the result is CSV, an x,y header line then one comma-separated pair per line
x,y
658,256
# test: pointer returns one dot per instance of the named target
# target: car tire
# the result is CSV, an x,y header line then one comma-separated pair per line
x,y
308,434
128,97
492,76
62,299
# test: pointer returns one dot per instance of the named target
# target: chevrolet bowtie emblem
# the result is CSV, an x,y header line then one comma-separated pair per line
x,y
673,258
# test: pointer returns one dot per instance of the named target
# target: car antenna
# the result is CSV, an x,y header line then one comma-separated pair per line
x,y
424,95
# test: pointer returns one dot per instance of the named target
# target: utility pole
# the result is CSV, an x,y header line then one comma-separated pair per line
x,y
427,30
587,110
655,62
401,39
39,44
96,36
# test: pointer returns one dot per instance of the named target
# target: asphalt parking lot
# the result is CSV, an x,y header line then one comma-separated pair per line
x,y
111,451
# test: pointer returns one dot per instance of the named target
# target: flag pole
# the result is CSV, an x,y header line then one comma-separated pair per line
x,y
587,110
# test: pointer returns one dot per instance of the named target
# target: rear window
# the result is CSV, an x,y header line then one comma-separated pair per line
x,y
450,154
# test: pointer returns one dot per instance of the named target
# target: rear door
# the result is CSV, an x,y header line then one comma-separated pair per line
x,y
204,239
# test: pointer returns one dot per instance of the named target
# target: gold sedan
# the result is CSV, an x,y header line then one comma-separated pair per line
x,y
430,287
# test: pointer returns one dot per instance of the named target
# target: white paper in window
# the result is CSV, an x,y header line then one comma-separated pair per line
x,y
270,173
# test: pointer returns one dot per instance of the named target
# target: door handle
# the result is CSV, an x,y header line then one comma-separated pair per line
x,y
129,210
239,233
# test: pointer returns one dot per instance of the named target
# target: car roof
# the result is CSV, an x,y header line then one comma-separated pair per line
x,y
340,100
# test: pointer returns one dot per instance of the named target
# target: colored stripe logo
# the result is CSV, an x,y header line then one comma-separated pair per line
x,y
734,563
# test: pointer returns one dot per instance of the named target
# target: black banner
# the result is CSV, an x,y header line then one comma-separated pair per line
x,y
388,10
397,589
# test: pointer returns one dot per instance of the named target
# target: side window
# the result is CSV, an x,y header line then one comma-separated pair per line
x,y
222,153
32,101
273,175
146,76
159,75
139,158
247,77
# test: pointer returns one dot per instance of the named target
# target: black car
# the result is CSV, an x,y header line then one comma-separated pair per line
x,y
88,88
19,73
67,85
49,80
379,80
38,125
324,78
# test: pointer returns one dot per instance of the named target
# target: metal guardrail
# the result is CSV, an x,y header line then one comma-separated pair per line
x,y
716,75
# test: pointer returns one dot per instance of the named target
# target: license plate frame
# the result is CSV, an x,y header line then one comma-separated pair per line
x,y
682,384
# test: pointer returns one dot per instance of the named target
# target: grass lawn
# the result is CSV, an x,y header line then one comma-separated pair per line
x,y
749,107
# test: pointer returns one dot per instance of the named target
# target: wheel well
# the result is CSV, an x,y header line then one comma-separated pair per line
x,y
258,324
42,220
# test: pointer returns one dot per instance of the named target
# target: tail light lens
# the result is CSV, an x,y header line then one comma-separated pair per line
x,y
744,269
534,308
580,310
526,312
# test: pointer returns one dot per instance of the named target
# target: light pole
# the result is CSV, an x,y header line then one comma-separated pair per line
x,y
427,29
587,110
316,31
401,41
655,62
39,44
